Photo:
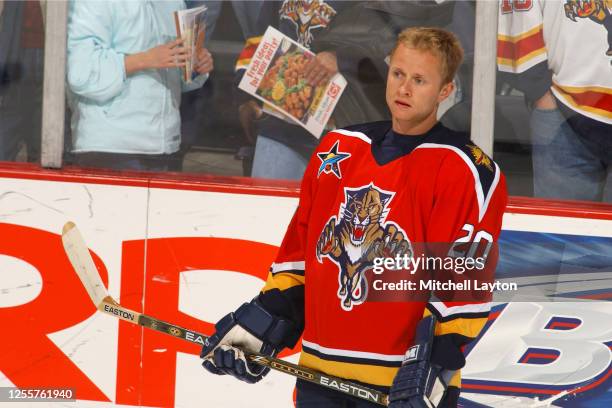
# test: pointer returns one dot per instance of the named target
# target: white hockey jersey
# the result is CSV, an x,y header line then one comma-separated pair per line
x,y
574,37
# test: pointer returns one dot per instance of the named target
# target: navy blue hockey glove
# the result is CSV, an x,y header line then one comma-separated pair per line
x,y
249,329
419,383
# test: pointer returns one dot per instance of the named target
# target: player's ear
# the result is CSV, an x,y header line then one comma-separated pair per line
x,y
446,90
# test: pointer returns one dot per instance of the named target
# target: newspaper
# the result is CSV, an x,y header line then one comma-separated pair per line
x,y
191,27
276,77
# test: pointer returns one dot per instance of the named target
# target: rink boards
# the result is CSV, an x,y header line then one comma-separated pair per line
x,y
189,251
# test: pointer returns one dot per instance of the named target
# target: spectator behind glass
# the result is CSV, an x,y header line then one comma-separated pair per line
x,y
246,12
560,55
22,41
197,105
125,83
282,149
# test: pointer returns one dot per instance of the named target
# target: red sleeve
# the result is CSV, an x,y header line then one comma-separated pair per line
x,y
470,200
283,293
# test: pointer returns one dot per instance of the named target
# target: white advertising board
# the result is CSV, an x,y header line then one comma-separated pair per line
x,y
189,257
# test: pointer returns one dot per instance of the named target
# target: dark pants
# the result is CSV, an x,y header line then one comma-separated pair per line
x,y
567,164
122,161
309,395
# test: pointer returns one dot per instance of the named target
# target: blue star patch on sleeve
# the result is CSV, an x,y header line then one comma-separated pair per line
x,y
330,161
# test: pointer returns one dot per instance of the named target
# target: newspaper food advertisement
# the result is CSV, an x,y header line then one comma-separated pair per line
x,y
276,76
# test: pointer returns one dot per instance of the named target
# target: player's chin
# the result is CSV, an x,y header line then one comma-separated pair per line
x,y
402,115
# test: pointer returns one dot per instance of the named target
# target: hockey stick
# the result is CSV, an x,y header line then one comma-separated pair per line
x,y
83,264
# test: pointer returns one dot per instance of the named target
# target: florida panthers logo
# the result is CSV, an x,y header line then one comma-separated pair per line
x,y
480,158
599,11
358,235
307,15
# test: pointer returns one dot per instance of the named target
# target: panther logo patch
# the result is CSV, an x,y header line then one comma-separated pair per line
x,y
356,236
480,158
307,15
599,11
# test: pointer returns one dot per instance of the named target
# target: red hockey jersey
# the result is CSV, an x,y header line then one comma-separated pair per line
x,y
444,190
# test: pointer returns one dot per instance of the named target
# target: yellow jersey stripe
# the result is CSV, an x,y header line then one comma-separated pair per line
x,y
463,326
283,281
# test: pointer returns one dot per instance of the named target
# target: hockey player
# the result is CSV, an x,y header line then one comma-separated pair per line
x,y
371,191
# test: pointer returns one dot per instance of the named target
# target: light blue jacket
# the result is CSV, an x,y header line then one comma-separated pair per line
x,y
112,112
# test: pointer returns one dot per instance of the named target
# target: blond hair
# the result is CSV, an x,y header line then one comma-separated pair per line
x,y
439,42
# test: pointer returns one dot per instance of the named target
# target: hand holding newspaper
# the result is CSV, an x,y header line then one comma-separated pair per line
x,y
276,76
191,27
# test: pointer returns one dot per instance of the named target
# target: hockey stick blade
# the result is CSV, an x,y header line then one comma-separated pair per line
x,y
83,264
